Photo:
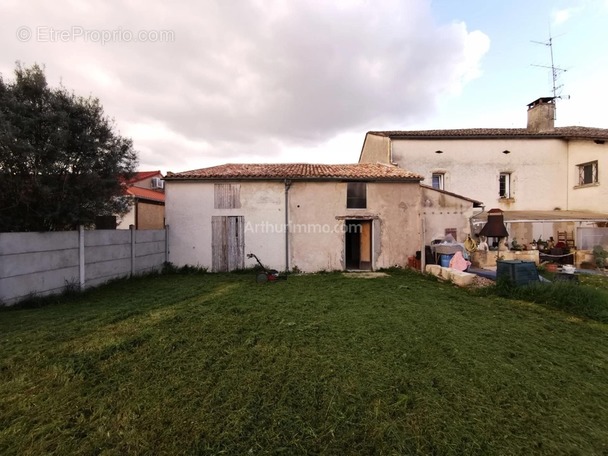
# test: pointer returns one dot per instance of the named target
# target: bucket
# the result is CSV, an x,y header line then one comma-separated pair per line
x,y
445,260
568,268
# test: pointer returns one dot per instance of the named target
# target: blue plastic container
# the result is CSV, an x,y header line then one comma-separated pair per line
x,y
445,260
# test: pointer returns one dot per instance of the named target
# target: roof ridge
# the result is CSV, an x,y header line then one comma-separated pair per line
x,y
567,132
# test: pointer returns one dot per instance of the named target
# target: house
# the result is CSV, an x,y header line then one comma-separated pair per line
x,y
546,179
146,189
307,217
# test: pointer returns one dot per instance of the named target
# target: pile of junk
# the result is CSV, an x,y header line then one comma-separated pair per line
x,y
447,252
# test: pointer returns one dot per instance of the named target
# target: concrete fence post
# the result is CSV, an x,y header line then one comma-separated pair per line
x,y
132,228
81,271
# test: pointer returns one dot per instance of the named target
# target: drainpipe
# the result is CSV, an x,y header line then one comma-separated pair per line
x,y
287,186
423,247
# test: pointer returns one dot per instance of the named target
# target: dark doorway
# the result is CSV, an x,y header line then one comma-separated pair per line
x,y
358,244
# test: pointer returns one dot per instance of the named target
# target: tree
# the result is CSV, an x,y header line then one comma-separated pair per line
x,y
61,163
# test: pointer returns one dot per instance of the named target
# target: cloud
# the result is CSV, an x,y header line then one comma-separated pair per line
x,y
558,17
247,77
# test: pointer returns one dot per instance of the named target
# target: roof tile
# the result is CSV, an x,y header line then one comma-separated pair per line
x,y
299,171
573,132
141,175
146,193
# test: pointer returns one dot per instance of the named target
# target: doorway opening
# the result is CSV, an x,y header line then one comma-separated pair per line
x,y
358,244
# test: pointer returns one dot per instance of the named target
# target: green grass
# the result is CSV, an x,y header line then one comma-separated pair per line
x,y
587,298
318,364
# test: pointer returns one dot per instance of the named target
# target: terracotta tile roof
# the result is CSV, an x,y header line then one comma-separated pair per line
x,y
146,194
141,175
486,133
299,171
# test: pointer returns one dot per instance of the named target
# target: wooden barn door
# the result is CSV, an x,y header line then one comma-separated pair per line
x,y
365,252
227,243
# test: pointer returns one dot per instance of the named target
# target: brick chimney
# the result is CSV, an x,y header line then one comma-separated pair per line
x,y
541,114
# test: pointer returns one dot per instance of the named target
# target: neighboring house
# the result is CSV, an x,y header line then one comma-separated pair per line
x,y
147,191
530,173
358,216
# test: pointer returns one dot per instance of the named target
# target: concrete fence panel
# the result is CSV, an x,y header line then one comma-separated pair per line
x,y
150,251
37,263
30,262
16,243
15,289
101,253
149,263
98,273
45,263
107,255
150,236
149,248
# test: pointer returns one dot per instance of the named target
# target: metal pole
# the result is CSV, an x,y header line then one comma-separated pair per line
x,y
423,250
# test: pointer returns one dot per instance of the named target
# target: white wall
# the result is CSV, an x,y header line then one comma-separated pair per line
x,y
189,207
398,206
593,197
147,182
312,210
317,211
376,149
472,168
442,211
126,220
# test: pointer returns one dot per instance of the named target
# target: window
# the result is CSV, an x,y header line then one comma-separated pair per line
x,y
227,196
452,232
438,181
587,173
504,185
356,195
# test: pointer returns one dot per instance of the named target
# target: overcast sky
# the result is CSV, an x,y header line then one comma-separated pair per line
x,y
200,83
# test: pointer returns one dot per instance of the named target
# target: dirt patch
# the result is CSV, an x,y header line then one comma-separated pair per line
x,y
479,282
365,275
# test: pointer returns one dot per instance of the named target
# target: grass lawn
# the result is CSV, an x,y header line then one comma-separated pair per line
x,y
319,364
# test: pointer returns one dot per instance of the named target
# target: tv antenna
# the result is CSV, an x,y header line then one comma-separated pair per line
x,y
555,71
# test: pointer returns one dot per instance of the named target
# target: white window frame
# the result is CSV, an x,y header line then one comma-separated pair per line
x,y
441,180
